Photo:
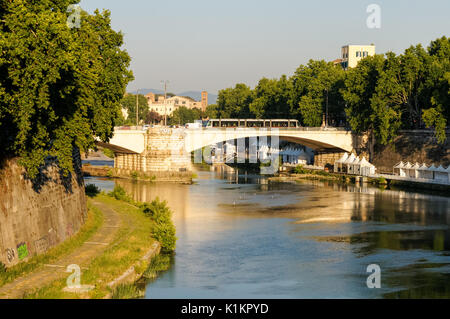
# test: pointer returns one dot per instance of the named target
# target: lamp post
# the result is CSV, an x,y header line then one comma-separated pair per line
x,y
326,111
137,109
165,102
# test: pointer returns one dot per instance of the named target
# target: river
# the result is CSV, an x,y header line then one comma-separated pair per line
x,y
242,237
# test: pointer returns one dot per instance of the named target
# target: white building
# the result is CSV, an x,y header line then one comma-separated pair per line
x,y
162,106
352,54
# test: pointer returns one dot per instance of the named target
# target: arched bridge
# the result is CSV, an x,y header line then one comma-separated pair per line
x,y
167,149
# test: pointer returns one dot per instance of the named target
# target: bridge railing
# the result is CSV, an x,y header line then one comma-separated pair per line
x,y
340,129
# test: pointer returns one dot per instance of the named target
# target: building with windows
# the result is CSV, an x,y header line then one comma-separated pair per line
x,y
352,54
162,106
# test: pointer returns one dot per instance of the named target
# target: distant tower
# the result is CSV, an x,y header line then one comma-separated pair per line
x,y
204,100
150,98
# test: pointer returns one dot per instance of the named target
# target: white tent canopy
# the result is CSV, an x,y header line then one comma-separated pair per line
x,y
440,173
365,168
400,165
339,162
424,172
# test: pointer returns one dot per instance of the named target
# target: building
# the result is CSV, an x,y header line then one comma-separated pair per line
x,y
352,54
162,106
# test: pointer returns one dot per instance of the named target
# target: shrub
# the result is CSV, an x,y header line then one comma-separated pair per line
x,y
110,173
381,181
119,193
91,190
165,234
299,170
164,230
134,175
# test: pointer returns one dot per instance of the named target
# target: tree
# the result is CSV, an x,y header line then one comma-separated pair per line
x,y
212,111
129,103
438,84
183,115
234,102
402,88
271,98
316,91
60,87
153,117
360,87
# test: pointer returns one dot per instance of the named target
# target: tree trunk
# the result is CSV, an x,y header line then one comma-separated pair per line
x,y
371,143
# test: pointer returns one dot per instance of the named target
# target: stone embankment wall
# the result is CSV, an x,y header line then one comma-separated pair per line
x,y
323,158
412,146
37,216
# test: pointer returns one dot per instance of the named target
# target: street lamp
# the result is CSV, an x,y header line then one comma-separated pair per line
x,y
137,109
165,102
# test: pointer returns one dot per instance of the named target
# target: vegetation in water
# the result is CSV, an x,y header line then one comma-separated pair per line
x,y
134,175
157,265
127,291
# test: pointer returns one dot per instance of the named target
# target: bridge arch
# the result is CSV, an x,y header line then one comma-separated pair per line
x,y
318,140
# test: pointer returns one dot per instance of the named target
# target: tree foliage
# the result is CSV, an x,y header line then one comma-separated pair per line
x,y
235,102
183,115
317,85
153,117
60,87
271,98
129,104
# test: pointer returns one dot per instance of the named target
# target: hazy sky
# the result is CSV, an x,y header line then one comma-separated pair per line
x,y
210,45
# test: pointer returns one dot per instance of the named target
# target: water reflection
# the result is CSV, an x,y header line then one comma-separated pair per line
x,y
243,237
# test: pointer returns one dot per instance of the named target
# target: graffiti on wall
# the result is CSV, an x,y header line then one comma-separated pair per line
x,y
22,251
41,245
10,254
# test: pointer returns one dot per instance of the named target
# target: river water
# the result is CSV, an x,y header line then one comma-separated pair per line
x,y
242,237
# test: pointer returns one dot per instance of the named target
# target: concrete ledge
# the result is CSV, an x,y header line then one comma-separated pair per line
x,y
130,275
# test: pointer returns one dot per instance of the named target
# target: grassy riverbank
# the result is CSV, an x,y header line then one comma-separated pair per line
x,y
136,231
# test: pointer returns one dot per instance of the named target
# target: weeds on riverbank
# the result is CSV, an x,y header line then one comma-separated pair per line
x,y
300,170
127,291
157,265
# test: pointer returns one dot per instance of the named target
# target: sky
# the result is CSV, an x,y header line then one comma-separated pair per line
x,y
211,45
